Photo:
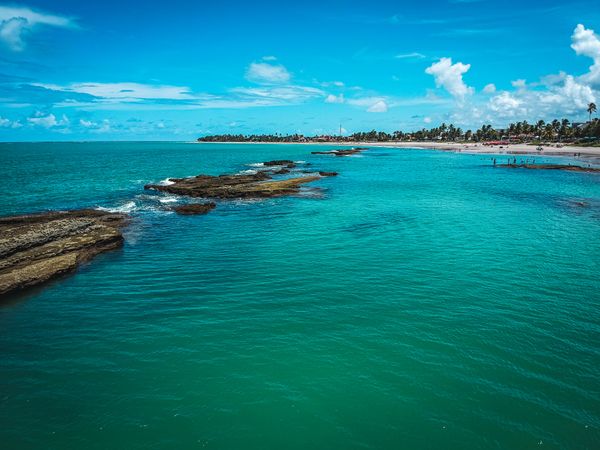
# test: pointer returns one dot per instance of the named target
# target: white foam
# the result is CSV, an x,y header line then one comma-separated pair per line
x,y
248,172
256,165
169,199
166,182
125,208
300,162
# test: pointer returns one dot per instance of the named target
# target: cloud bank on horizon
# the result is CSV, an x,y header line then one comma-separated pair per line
x,y
395,88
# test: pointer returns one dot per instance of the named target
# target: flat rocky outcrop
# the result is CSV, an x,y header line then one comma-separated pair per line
x,y
352,151
39,247
257,185
566,167
194,208
281,162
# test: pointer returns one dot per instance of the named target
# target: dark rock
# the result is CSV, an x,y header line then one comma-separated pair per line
x,y
39,247
194,208
328,174
281,162
282,171
349,152
258,185
566,167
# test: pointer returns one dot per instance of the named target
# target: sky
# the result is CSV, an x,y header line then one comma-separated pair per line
x,y
75,70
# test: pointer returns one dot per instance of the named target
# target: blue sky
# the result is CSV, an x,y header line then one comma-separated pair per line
x,y
73,70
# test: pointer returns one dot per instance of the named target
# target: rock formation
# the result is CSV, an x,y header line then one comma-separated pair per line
x,y
257,185
39,247
352,151
194,208
566,167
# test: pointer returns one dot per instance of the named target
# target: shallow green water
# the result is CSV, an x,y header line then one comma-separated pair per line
x,y
418,300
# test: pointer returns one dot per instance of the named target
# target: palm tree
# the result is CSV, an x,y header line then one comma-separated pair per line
x,y
591,109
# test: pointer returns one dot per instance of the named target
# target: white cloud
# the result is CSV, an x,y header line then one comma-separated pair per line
x,y
334,98
280,93
269,58
267,73
125,91
372,104
586,42
557,99
506,105
86,123
379,107
48,120
413,55
16,22
427,120
96,127
7,123
450,77
570,96
489,88
519,84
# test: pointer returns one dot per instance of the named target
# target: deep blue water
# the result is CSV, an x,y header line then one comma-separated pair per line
x,y
420,299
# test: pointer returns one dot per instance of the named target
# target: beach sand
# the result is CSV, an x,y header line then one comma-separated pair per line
x,y
476,148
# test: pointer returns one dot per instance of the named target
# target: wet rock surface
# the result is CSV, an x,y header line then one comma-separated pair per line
x,y
566,167
39,247
281,162
352,151
195,208
257,185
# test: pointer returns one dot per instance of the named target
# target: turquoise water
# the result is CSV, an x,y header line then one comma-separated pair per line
x,y
420,300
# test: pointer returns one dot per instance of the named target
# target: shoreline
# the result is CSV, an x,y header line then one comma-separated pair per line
x,y
512,149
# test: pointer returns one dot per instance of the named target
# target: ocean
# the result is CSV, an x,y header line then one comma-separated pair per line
x,y
419,300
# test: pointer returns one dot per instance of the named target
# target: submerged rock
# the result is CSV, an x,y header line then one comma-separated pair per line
x,y
566,167
281,162
328,174
195,208
349,152
258,185
39,247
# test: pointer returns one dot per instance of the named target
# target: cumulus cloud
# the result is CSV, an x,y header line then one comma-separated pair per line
x,y
98,127
427,119
17,22
267,73
334,98
585,42
7,123
450,77
372,104
566,98
379,107
519,84
48,120
489,88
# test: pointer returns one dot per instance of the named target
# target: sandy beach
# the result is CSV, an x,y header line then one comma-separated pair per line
x,y
475,148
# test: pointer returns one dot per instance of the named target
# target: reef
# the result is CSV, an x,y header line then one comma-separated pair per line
x,y
566,167
194,208
352,151
256,185
37,248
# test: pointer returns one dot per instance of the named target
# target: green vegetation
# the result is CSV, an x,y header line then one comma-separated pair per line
x,y
555,131
591,109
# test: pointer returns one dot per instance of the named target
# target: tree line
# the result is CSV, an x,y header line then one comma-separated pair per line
x,y
554,131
